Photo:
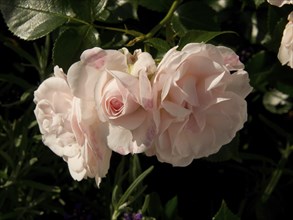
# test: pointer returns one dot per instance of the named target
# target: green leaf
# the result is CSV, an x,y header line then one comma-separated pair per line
x,y
224,213
145,204
276,15
23,98
171,208
194,15
177,26
133,186
83,10
258,61
155,207
98,7
219,5
115,194
32,19
137,195
134,168
3,175
285,86
200,36
7,158
265,71
117,11
258,2
39,186
119,171
71,43
155,5
259,69
160,45
8,42
281,78
272,39
33,160
9,78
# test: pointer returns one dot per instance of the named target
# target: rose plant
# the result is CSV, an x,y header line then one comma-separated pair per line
x,y
163,82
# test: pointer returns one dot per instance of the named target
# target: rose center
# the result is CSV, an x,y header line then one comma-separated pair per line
x,y
116,105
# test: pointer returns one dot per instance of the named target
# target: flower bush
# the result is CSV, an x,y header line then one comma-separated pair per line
x,y
169,109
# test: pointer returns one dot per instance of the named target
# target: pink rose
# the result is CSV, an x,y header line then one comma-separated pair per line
x,y
199,93
280,3
118,82
70,128
285,54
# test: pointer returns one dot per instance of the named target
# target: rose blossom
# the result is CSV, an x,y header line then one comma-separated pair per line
x,y
285,54
280,3
200,104
118,82
71,129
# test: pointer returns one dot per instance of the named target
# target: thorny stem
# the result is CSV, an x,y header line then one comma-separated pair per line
x,y
155,29
276,175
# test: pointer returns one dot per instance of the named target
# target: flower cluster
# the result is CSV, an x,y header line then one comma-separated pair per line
x,y
186,107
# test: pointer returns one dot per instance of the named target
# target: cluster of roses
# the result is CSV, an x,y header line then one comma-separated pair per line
x,y
184,108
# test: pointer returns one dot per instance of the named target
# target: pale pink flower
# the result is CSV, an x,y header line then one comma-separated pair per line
x,y
71,129
285,54
118,82
280,3
199,102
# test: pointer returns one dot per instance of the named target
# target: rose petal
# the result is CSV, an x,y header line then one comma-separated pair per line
x,y
230,58
76,168
144,63
280,3
80,75
121,141
285,54
239,83
175,110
